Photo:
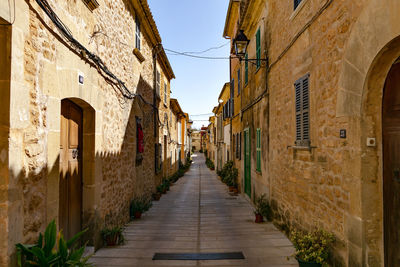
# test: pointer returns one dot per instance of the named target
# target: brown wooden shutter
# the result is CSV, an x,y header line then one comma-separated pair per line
x,y
302,108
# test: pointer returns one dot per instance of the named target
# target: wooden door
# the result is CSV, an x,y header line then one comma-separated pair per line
x,y
391,167
70,212
247,163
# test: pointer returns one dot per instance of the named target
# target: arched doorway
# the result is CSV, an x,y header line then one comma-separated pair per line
x,y
71,147
391,165
77,181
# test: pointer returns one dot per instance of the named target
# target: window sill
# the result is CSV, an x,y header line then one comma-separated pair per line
x,y
309,148
297,10
139,55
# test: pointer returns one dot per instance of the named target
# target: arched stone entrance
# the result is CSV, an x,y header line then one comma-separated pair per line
x,y
371,50
77,172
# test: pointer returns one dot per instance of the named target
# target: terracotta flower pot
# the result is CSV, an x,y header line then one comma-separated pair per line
x,y
112,240
231,188
137,214
259,218
156,196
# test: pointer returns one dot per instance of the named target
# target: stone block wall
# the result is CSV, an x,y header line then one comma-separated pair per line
x,y
323,187
44,70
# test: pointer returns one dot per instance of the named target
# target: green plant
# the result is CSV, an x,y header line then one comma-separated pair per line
x,y
46,252
312,246
262,207
113,236
209,163
160,188
140,204
229,174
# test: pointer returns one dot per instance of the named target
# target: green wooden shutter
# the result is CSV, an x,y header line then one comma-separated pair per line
x,y
239,80
258,149
246,69
258,48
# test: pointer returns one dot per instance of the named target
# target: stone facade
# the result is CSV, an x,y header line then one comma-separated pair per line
x,y
40,68
196,140
335,183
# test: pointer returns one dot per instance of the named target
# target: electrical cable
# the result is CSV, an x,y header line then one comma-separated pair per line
x,y
176,53
209,49
86,53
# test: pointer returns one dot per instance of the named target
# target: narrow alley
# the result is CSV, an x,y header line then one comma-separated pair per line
x,y
198,215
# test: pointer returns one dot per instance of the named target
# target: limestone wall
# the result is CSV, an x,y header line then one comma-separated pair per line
x,y
320,187
44,71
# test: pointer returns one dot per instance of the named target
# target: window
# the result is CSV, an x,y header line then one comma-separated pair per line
x,y
296,3
302,106
158,158
258,149
165,93
158,78
258,48
240,145
237,145
246,69
239,81
138,37
232,88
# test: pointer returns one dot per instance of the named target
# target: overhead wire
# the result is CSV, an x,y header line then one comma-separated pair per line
x,y
209,49
176,53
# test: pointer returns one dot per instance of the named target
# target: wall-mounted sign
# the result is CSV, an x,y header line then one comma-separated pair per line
x,y
80,79
342,133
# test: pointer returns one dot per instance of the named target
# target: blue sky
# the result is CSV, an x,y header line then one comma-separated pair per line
x,y
192,26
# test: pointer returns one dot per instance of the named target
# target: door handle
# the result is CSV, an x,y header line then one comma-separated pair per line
x,y
396,174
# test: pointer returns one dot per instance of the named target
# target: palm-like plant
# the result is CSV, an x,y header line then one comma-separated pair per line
x,y
53,250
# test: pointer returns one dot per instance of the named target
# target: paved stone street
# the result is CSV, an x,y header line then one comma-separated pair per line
x,y
199,215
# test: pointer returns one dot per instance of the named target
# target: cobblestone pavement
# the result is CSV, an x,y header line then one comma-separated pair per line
x,y
199,215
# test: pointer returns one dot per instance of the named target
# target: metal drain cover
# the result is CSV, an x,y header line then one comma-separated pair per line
x,y
199,256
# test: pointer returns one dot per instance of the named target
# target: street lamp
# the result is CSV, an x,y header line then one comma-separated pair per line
x,y
240,43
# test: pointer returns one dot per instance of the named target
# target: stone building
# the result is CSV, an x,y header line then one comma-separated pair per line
x,y
178,114
225,110
324,111
165,146
79,117
196,140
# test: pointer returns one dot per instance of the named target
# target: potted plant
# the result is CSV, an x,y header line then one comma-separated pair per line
x,y
312,249
112,236
138,206
262,209
156,196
